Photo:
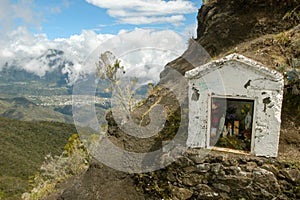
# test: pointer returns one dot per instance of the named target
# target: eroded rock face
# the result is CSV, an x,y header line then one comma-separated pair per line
x,y
223,24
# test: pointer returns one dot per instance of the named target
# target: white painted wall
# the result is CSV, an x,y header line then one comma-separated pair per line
x,y
228,77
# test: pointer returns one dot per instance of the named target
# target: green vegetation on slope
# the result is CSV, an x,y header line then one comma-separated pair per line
x,y
73,161
23,146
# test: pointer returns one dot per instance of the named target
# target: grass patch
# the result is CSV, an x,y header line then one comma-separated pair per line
x,y
23,146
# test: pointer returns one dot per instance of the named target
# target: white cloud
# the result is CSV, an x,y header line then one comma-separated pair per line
x,y
144,53
66,3
176,20
147,11
59,8
5,14
55,10
21,43
190,31
22,10
81,45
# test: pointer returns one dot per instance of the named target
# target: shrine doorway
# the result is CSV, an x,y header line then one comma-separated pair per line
x,y
231,123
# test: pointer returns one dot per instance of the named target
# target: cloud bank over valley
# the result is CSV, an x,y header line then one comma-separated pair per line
x,y
23,47
25,51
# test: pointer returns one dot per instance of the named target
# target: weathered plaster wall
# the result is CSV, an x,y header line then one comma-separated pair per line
x,y
239,77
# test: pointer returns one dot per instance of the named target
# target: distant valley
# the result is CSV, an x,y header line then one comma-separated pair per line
x,y
43,92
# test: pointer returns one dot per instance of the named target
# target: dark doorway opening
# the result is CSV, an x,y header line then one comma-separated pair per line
x,y
231,123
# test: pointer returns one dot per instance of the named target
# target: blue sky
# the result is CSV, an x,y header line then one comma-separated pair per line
x,y
63,18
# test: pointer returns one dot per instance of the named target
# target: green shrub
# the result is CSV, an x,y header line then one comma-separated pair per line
x,y
73,161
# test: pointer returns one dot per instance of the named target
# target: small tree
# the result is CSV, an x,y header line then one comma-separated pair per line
x,y
123,89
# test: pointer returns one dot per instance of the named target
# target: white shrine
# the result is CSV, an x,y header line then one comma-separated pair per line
x,y
235,103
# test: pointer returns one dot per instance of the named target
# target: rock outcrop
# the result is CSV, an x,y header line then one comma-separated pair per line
x,y
223,24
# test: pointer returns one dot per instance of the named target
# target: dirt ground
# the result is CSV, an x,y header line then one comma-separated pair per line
x,y
289,145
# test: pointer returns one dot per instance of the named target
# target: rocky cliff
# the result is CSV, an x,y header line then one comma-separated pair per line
x,y
223,26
